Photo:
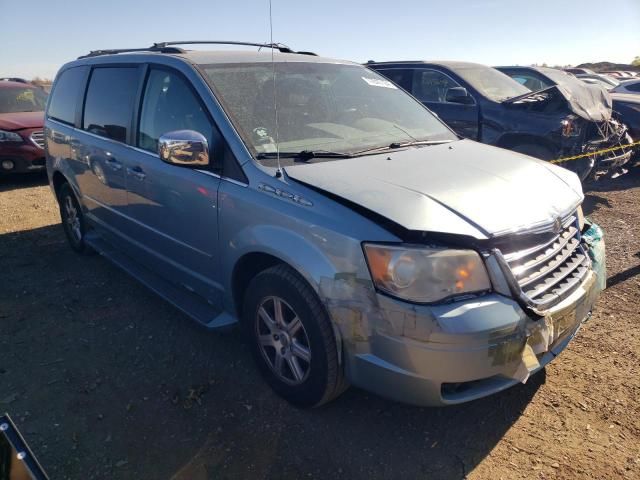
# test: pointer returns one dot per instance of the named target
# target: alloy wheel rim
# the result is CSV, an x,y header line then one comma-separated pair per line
x,y
283,340
73,219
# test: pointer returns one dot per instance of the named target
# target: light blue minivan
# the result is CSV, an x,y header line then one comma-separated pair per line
x,y
351,233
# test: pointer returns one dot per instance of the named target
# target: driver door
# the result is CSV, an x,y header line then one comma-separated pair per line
x,y
172,210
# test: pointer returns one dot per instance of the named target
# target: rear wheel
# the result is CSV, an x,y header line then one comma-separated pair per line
x,y
291,337
73,221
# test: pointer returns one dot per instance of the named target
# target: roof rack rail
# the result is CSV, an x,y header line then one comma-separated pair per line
x,y
169,47
282,48
97,53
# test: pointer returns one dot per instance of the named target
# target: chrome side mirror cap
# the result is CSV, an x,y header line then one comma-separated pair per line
x,y
186,148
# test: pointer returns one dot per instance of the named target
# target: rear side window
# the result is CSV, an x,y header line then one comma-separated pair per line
x,y
109,103
169,104
65,95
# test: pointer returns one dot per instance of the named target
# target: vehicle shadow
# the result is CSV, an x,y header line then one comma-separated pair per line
x,y
23,180
119,384
620,277
592,202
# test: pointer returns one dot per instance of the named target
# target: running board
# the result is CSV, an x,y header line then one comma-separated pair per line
x,y
190,303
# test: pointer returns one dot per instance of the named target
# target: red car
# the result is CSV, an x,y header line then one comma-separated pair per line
x,y
21,120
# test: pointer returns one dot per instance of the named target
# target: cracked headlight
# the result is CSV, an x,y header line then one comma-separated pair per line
x,y
423,274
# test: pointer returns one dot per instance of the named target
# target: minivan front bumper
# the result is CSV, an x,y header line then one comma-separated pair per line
x,y
454,353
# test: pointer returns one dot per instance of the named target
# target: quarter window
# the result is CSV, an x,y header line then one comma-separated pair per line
x,y
432,86
64,98
169,104
109,104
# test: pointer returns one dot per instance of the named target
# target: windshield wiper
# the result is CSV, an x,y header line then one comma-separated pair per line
x,y
396,145
304,155
418,142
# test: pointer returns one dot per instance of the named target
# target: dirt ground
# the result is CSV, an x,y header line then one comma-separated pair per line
x,y
106,380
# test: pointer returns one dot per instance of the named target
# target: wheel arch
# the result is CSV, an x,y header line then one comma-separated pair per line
x,y
57,180
253,260
511,140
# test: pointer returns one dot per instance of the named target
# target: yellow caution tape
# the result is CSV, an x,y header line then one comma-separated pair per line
x,y
590,154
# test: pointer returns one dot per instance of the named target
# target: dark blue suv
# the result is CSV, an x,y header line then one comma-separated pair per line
x,y
484,104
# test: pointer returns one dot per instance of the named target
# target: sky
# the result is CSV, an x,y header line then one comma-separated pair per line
x,y
37,37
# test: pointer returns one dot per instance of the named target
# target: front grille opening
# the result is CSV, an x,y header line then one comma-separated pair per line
x,y
464,391
38,138
548,271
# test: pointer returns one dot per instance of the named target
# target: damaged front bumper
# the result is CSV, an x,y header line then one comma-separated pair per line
x,y
613,148
454,353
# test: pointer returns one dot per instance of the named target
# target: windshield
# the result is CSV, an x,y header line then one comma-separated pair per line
x,y
492,83
22,99
321,107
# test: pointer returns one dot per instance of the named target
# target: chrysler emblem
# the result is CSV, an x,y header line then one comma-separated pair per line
x,y
557,225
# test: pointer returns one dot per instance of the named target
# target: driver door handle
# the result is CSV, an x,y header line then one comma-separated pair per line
x,y
137,172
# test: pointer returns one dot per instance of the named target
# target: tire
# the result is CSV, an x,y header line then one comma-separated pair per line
x,y
582,167
302,382
73,221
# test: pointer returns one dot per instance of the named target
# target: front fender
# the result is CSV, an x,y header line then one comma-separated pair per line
x,y
309,258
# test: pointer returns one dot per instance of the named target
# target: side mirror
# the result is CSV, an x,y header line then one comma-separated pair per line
x,y
458,95
185,148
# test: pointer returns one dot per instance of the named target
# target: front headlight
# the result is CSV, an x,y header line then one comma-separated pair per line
x,y
423,274
9,137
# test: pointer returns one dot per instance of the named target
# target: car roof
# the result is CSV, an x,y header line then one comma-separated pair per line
x,y
452,64
209,57
246,56
10,84
535,68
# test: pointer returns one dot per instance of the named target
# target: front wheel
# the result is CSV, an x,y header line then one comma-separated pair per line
x,y
291,337
73,221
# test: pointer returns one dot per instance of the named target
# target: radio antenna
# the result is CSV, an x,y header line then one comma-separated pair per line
x,y
275,101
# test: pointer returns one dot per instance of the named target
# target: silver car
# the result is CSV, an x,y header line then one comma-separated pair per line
x,y
352,234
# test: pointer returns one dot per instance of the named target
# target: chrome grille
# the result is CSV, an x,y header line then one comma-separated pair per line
x,y
549,271
37,137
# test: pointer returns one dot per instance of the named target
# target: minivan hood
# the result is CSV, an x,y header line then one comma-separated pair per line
x,y
20,120
462,187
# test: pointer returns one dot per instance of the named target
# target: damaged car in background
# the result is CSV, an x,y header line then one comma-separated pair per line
x,y
353,235
483,104
604,126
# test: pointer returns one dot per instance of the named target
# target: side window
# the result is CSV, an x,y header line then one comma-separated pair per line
x,y
109,103
432,86
169,104
635,87
64,98
400,77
